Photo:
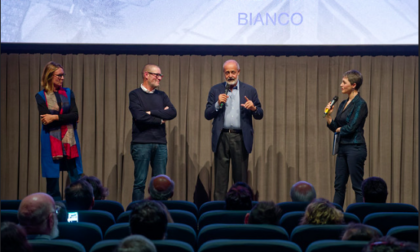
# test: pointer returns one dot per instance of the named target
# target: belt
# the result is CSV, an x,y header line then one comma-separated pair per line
x,y
236,131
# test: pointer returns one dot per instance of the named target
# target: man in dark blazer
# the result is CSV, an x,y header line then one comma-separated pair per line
x,y
231,105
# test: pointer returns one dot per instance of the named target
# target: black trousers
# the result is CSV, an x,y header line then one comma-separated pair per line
x,y
230,147
350,161
53,184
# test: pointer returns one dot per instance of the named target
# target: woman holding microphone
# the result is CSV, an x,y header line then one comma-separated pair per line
x,y
348,124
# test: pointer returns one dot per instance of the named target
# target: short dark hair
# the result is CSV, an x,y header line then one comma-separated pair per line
x,y
265,212
149,219
62,213
238,198
359,232
246,186
374,190
354,77
390,244
79,195
13,238
99,191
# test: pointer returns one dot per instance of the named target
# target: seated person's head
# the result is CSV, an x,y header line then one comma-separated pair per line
x,y
390,244
246,186
99,191
133,205
37,215
136,243
79,196
264,212
149,219
302,191
374,190
359,232
321,212
161,187
238,198
62,211
13,238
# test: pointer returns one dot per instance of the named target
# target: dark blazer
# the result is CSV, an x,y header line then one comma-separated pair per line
x,y
352,131
246,115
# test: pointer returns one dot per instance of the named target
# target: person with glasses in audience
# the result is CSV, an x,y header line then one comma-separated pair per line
x,y
60,147
37,214
231,105
150,108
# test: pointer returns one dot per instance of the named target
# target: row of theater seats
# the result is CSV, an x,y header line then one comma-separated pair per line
x,y
359,209
193,228
222,237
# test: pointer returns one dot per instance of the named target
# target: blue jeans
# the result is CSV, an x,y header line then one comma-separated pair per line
x,y
143,154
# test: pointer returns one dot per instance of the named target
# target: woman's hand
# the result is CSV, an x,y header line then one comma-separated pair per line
x,y
331,109
48,118
338,130
328,115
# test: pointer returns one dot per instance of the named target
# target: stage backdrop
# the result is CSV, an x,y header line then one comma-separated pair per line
x,y
291,142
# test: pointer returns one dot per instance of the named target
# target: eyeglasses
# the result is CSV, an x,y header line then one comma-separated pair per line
x,y
157,74
56,210
60,75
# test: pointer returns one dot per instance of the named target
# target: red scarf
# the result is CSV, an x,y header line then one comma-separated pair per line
x,y
63,142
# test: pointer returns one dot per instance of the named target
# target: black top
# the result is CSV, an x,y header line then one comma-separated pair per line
x,y
351,120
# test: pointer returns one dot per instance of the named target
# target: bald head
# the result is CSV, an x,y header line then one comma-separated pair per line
x,y
302,191
36,213
231,63
161,187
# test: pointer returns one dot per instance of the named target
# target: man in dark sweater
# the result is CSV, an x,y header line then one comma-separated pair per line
x,y
150,108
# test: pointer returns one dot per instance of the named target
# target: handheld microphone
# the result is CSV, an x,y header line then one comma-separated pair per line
x,y
226,92
333,101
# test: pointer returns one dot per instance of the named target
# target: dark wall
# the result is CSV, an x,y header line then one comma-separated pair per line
x,y
404,50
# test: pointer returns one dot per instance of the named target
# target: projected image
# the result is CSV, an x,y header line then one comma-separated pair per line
x,y
211,22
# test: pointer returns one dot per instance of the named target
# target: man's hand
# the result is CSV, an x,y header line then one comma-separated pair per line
x,y
249,104
222,98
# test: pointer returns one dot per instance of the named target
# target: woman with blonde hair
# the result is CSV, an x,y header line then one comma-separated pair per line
x,y
322,212
60,147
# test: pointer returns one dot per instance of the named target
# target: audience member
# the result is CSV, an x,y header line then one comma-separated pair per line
x,y
13,238
374,190
99,191
321,212
264,212
390,244
161,187
136,243
238,198
38,216
302,191
79,196
133,205
247,187
148,218
360,232
62,211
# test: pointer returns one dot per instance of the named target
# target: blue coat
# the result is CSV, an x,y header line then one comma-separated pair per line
x,y
50,167
246,115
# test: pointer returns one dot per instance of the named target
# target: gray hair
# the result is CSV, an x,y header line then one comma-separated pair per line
x,y
305,196
136,243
